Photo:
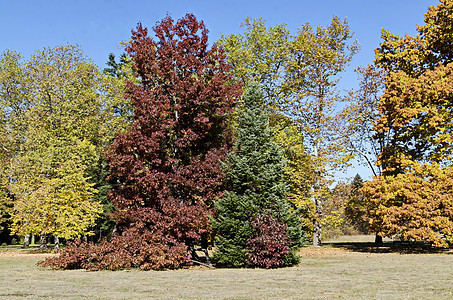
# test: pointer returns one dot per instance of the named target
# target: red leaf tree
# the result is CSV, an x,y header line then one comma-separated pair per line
x,y
167,166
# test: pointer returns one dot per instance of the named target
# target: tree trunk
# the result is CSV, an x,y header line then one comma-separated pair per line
x,y
43,242
317,231
57,243
32,239
115,230
378,240
26,241
99,239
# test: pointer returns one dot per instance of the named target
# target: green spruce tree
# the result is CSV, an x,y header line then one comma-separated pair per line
x,y
255,225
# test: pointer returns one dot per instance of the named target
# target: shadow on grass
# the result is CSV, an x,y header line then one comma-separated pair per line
x,y
390,247
32,249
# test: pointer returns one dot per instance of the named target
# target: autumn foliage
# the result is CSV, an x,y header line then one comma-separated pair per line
x,y
414,205
413,197
269,243
167,166
127,251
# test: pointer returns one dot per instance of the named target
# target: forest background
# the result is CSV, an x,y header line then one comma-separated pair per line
x,y
347,83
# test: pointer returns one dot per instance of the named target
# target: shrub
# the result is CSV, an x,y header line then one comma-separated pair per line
x,y
151,251
269,244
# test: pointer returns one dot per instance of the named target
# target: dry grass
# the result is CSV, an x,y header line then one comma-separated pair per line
x,y
334,271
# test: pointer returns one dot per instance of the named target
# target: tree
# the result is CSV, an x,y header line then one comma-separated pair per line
x,y
362,113
299,168
56,128
53,193
254,224
412,198
360,116
12,108
313,106
166,167
260,56
356,207
6,203
299,76
116,69
120,111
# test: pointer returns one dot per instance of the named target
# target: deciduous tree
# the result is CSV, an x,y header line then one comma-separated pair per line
x,y
12,125
320,55
360,116
412,197
59,132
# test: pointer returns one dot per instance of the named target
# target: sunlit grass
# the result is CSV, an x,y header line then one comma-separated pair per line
x,y
324,273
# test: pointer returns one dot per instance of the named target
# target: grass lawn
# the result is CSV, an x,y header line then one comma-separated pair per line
x,y
346,268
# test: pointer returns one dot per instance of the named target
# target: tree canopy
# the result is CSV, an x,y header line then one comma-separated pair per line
x,y
412,198
55,117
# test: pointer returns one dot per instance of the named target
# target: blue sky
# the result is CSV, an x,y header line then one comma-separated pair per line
x,y
99,25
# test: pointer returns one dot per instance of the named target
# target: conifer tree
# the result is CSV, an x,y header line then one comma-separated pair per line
x,y
254,223
299,76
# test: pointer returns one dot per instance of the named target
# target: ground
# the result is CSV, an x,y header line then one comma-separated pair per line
x,y
345,269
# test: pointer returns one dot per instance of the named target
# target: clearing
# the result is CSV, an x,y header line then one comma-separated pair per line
x,y
349,268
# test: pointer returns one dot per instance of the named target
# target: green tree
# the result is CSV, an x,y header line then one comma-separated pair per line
x,y
355,206
116,69
299,74
254,205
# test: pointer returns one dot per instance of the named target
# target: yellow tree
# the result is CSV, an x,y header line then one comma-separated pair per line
x,y
299,169
259,56
12,108
62,139
319,56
